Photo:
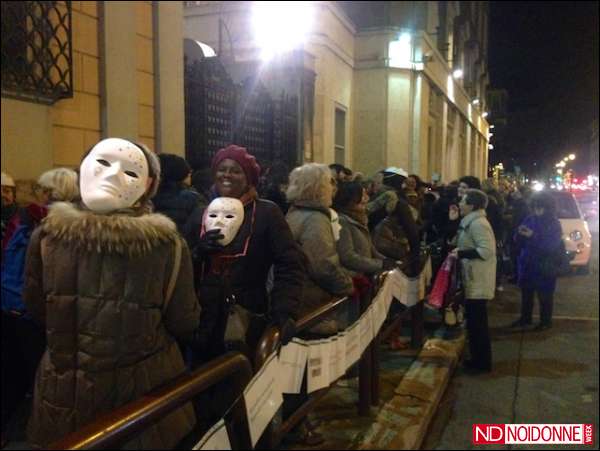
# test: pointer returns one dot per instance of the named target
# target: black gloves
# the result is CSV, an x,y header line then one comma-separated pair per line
x,y
389,264
208,244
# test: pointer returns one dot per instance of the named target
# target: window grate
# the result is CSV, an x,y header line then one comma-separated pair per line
x,y
37,59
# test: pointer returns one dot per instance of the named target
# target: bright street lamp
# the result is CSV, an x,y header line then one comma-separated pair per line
x,y
572,157
280,26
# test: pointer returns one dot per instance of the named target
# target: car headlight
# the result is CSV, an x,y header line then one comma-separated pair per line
x,y
576,235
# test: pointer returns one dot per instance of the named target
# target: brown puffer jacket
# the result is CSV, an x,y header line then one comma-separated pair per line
x,y
98,283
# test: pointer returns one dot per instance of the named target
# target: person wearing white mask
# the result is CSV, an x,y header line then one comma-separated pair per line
x,y
113,286
233,258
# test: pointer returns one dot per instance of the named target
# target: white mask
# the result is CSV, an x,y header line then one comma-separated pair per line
x,y
113,176
335,224
226,214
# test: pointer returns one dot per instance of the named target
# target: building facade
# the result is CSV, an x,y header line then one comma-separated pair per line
x,y
108,69
386,91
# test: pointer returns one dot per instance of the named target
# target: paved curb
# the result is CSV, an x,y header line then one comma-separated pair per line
x,y
404,420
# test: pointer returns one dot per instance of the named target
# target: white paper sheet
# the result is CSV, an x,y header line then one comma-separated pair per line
x,y
352,345
292,363
263,397
216,438
318,365
337,363
379,314
405,290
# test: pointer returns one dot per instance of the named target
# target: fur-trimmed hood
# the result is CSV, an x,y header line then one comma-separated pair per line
x,y
119,232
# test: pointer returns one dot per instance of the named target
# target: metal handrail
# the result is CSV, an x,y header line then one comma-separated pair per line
x,y
112,429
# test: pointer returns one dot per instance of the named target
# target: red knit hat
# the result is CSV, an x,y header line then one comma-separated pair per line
x,y
243,158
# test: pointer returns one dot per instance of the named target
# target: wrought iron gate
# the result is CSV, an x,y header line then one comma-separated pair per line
x,y
219,112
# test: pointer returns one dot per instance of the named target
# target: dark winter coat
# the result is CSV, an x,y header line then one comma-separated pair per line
x,y
547,235
98,285
177,202
243,273
404,218
356,249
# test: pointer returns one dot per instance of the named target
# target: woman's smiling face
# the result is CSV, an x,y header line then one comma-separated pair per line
x,y
230,179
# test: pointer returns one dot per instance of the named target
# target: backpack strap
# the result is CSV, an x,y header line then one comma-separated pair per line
x,y
174,275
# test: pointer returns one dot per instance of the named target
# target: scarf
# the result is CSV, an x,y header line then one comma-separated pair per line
x,y
358,215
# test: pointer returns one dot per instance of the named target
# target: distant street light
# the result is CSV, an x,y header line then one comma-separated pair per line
x,y
475,102
572,157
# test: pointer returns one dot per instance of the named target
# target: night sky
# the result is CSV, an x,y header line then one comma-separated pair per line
x,y
546,55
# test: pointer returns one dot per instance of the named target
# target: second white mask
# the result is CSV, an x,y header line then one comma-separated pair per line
x,y
226,214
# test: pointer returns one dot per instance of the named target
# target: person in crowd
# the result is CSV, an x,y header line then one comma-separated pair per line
x,y
237,273
274,186
402,221
518,211
446,215
112,285
202,181
412,197
476,250
493,210
174,199
382,202
430,198
55,185
23,341
495,215
9,200
537,237
340,172
355,247
315,227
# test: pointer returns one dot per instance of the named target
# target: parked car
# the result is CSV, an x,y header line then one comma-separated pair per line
x,y
588,203
575,229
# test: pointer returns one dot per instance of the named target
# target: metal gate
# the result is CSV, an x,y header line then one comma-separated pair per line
x,y
219,112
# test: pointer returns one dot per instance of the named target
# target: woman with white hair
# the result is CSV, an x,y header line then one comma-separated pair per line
x,y
476,250
23,341
316,228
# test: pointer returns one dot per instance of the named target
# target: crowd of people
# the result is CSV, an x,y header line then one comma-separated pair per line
x,y
124,274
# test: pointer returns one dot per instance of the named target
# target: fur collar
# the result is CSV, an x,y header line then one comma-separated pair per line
x,y
118,232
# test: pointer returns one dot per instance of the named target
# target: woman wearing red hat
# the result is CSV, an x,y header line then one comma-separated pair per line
x,y
231,280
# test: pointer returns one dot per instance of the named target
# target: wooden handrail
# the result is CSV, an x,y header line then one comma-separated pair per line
x,y
113,429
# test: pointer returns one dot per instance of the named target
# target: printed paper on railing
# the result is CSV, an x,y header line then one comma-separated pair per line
x,y
337,364
216,438
379,314
292,363
263,398
318,365
404,289
352,345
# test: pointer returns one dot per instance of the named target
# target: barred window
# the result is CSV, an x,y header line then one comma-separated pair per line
x,y
37,60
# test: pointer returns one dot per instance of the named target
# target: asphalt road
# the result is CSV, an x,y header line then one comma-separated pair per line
x,y
538,377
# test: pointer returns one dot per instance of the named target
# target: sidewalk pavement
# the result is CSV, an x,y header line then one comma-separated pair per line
x,y
412,384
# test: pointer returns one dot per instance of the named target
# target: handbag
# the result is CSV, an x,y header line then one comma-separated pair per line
x,y
439,291
238,323
555,263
